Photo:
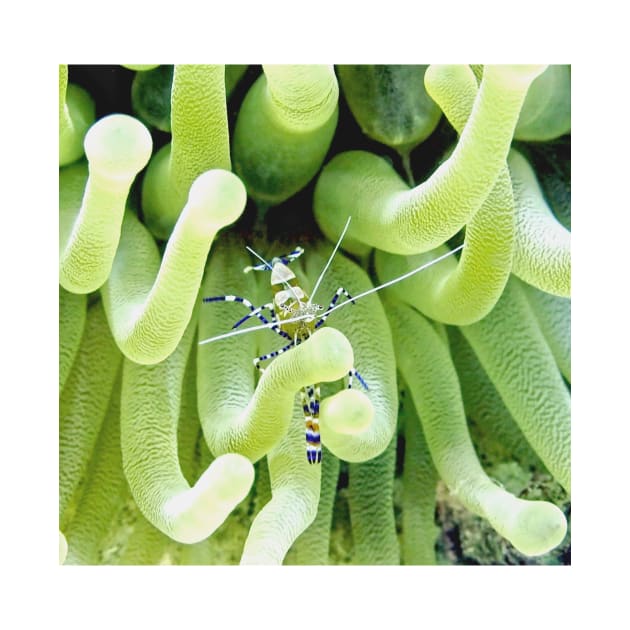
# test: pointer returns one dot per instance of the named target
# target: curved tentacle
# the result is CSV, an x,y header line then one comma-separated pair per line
x,y
344,416
533,527
72,314
542,254
92,204
295,489
200,142
150,407
284,128
149,304
389,216
465,292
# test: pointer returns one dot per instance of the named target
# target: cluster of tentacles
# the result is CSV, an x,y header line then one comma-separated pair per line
x,y
176,452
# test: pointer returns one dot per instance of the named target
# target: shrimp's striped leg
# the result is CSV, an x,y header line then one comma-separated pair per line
x,y
251,307
339,292
355,373
257,312
271,355
310,405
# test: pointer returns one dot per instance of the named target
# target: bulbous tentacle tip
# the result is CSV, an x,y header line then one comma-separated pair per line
x,y
118,146
333,352
199,511
222,192
539,527
348,412
63,548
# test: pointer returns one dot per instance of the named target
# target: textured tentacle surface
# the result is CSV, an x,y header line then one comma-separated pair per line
x,y
72,314
533,527
295,487
419,532
83,406
553,314
466,292
313,545
117,148
370,496
284,129
149,302
542,254
344,416
76,114
387,215
200,142
505,341
150,408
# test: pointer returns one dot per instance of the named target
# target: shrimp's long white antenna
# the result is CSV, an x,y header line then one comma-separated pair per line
x,y
233,333
325,269
251,251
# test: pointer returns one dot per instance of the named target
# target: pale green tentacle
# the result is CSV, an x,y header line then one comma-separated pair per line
x,y
149,304
63,548
419,531
150,407
465,292
92,205
514,353
82,407
371,500
542,254
389,216
144,544
284,128
200,142
343,417
295,487
72,314
553,314
105,489
546,112
234,417
76,114
533,527
495,433
313,545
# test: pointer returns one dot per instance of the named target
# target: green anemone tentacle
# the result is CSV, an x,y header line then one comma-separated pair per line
x,y
514,353
542,253
313,545
533,527
150,408
387,214
105,488
295,488
553,314
149,301
419,531
284,129
200,142
83,407
371,502
76,114
344,417
92,201
465,292
72,314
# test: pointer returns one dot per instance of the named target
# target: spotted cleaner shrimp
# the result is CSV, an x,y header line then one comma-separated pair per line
x,y
294,316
